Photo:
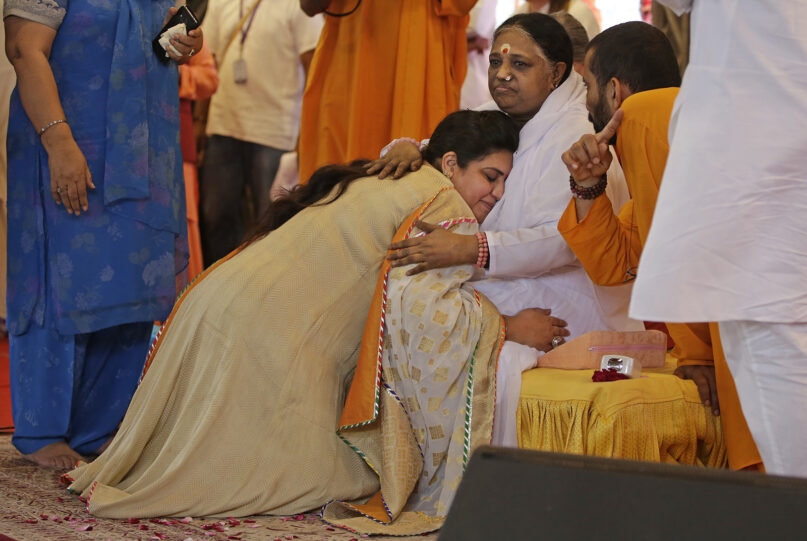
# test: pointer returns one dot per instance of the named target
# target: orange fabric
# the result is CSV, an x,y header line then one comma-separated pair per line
x,y
195,262
702,346
374,508
360,405
391,69
198,80
609,245
361,398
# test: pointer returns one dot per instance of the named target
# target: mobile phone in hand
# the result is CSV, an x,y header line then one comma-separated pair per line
x,y
183,16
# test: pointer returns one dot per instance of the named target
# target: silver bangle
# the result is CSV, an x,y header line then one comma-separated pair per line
x,y
46,128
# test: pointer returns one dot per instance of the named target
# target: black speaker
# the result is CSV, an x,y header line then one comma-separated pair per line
x,y
513,494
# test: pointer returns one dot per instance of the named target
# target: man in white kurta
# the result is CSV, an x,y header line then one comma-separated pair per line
x,y
729,237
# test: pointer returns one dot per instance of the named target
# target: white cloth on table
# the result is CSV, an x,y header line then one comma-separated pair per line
x,y
513,360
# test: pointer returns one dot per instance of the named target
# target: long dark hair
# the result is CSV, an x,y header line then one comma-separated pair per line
x,y
471,134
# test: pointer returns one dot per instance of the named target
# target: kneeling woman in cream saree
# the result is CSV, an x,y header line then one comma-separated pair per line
x,y
238,410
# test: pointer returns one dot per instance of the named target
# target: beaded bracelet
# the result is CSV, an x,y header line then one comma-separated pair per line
x,y
590,192
50,125
482,258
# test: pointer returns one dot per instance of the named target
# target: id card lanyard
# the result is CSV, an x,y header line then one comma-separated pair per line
x,y
240,65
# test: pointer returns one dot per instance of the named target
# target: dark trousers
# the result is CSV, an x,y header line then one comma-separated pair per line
x,y
229,167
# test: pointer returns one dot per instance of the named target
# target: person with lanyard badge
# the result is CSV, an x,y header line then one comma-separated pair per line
x,y
255,114
240,65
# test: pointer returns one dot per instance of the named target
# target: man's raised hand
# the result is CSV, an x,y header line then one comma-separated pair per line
x,y
589,158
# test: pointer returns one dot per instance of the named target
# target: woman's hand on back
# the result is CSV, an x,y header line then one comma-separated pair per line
x,y
402,157
435,250
535,327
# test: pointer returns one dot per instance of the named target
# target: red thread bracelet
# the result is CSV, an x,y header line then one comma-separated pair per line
x,y
482,258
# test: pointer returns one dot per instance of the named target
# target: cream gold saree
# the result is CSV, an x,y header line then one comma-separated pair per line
x,y
423,396
239,409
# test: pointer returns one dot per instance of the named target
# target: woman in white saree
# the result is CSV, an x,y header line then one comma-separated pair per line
x,y
238,409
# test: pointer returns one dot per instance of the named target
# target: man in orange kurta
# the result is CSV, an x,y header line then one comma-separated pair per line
x,y
609,246
391,68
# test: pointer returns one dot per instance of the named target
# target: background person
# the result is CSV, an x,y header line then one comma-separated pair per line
x,y
7,83
390,68
198,80
254,117
632,68
578,9
577,33
727,239
97,216
479,35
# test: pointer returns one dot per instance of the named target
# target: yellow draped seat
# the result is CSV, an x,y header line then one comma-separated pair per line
x,y
658,417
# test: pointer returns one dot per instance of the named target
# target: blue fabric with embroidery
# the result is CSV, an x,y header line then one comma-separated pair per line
x,y
72,276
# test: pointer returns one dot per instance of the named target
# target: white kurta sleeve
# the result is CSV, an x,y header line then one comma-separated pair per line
x,y
527,252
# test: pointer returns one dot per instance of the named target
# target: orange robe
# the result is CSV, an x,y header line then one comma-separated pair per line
x,y
393,68
198,80
609,247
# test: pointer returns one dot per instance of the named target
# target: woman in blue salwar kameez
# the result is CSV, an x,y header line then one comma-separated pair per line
x,y
95,111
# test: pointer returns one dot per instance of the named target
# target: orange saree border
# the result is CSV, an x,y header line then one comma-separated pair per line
x,y
361,405
158,340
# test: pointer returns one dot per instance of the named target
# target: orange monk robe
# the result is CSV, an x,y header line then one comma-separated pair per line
x,y
198,80
393,68
609,247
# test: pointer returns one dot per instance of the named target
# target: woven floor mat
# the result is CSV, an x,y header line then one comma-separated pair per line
x,y
34,505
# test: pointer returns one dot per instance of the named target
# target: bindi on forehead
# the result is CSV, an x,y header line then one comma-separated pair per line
x,y
524,42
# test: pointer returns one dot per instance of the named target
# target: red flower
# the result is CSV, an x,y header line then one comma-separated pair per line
x,y
609,374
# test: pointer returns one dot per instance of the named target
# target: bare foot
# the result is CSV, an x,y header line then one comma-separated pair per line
x,y
57,455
